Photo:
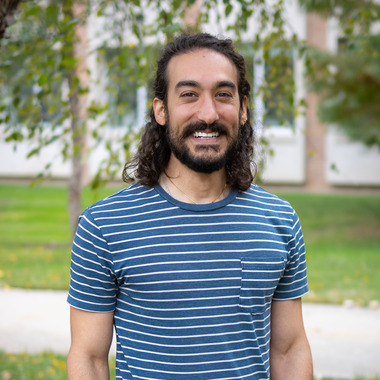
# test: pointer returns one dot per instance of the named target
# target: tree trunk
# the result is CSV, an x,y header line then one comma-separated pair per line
x,y
78,83
7,9
315,131
191,17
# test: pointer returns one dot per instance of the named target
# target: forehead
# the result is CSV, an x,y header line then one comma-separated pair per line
x,y
205,66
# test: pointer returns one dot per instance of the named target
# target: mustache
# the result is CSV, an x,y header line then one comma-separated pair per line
x,y
202,126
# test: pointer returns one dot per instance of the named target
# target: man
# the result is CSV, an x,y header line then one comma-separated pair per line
x,y
200,270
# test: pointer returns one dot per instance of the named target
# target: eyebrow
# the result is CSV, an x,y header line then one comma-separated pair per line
x,y
193,83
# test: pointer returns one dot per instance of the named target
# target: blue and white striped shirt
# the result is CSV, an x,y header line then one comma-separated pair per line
x,y
190,285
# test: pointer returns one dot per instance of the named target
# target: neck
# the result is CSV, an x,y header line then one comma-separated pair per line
x,y
189,186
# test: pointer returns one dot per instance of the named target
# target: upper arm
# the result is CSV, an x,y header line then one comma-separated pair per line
x,y
287,326
91,333
289,348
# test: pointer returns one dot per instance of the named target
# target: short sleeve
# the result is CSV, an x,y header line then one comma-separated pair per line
x,y
93,285
293,283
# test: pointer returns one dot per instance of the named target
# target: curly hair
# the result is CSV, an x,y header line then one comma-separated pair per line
x,y
154,152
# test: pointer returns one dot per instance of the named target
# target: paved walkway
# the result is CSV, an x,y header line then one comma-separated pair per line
x,y
345,342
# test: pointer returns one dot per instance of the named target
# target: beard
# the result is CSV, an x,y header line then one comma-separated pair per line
x,y
202,163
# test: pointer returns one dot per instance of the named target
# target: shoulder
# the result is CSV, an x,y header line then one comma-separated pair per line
x,y
260,199
122,207
129,197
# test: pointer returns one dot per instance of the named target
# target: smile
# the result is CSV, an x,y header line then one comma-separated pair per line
x,y
205,135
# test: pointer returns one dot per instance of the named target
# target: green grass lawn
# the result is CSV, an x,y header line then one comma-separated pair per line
x,y
35,235
32,367
38,366
342,235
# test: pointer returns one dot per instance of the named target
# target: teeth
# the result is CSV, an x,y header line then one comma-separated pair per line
x,y
204,135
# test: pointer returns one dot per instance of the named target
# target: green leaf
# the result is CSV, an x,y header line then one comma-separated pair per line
x,y
42,80
52,109
228,9
32,11
52,13
15,136
33,152
16,102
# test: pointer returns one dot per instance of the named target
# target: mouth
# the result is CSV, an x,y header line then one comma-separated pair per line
x,y
202,131
205,135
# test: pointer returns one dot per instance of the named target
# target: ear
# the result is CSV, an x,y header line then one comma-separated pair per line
x,y
159,111
243,112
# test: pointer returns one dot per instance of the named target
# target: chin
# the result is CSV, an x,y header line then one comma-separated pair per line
x,y
204,165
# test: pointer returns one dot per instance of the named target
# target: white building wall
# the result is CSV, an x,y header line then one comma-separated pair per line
x,y
14,164
351,163
347,162
287,164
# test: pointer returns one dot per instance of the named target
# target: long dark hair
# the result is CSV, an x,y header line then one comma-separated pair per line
x,y
154,152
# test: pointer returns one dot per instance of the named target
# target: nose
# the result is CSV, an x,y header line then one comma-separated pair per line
x,y
207,111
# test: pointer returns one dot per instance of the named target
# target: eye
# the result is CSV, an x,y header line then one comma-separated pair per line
x,y
188,94
224,94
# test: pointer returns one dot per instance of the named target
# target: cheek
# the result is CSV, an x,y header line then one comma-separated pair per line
x,y
179,119
230,114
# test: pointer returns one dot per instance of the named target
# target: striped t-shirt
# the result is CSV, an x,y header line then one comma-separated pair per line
x,y
190,285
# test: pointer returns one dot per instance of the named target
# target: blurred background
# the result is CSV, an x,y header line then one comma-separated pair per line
x,y
75,81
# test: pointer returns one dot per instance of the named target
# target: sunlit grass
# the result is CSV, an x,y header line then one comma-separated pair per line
x,y
43,366
34,266
342,235
35,235
32,367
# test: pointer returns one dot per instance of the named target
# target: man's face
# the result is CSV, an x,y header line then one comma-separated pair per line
x,y
203,109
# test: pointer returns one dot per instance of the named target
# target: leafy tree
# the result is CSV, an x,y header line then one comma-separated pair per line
x,y
348,80
45,75
41,57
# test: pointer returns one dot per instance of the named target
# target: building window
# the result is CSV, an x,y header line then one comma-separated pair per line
x,y
118,75
272,81
127,76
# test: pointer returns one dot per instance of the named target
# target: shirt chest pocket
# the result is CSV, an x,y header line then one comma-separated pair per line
x,y
259,280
